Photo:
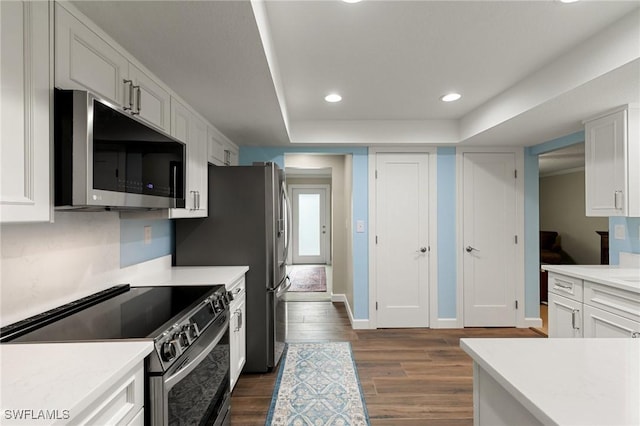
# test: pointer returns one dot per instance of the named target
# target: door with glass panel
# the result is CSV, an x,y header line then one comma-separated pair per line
x,y
310,224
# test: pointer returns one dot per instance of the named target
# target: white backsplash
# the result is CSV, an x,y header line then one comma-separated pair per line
x,y
46,265
629,260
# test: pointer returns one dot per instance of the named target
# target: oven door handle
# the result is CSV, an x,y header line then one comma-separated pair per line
x,y
188,367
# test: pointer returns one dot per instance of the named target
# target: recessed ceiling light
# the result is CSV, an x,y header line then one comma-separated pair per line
x,y
352,1
568,1
333,97
450,97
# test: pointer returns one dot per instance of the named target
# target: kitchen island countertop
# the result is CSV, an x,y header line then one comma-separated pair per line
x,y
62,376
565,381
191,275
612,276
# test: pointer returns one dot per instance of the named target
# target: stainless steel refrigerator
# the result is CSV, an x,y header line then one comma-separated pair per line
x,y
248,223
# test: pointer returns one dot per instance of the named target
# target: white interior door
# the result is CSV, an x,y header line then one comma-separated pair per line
x,y
489,238
310,225
402,234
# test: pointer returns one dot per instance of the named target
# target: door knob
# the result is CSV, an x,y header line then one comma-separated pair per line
x,y
423,249
469,249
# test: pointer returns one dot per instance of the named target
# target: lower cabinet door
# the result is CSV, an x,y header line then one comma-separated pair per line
x,y
138,420
599,323
565,317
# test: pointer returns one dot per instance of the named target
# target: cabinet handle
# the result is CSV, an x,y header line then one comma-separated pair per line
x,y
193,205
239,319
130,92
198,195
573,319
617,200
139,99
564,286
138,92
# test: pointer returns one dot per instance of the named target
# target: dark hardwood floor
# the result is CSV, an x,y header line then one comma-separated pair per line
x,y
409,377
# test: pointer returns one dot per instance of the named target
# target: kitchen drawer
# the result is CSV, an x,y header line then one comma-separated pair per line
x,y
565,286
119,405
599,323
237,288
614,300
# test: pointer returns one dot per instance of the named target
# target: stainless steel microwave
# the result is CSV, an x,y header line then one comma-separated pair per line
x,y
108,159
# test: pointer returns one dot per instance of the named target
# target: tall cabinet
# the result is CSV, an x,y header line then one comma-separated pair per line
x,y
27,81
612,155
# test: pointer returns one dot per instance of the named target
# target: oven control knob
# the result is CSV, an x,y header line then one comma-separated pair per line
x,y
169,350
193,331
183,338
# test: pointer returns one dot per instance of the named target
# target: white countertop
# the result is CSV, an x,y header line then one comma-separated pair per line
x,y
191,275
614,276
566,381
62,376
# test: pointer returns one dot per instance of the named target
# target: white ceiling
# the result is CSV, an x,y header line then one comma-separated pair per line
x,y
529,71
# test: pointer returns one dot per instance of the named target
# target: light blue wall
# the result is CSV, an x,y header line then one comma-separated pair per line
x,y
248,155
447,240
133,250
531,235
631,242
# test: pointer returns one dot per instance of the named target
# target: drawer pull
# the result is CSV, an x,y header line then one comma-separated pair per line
x,y
565,286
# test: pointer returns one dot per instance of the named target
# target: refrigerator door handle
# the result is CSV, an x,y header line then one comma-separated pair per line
x,y
287,232
287,286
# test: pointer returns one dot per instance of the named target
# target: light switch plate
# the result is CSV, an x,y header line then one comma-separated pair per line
x,y
618,232
147,234
360,226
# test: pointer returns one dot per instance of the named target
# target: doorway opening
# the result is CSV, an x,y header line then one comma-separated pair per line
x,y
320,258
567,235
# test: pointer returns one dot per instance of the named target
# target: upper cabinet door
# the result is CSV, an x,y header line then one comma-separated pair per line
x,y
185,126
86,61
27,81
148,99
612,155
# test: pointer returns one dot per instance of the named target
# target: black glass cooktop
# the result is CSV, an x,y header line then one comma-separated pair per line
x,y
131,313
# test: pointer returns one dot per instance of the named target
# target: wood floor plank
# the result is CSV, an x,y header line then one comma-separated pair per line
x,y
409,377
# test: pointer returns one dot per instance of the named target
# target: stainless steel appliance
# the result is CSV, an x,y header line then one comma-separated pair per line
x,y
188,372
248,224
105,158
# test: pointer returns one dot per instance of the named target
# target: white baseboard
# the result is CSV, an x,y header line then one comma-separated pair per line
x,y
445,323
532,322
356,324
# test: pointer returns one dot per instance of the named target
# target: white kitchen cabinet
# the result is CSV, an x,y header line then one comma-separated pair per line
x,y
565,306
87,59
583,308
84,60
120,405
612,155
565,317
26,97
599,323
237,330
221,151
187,127
148,99
610,312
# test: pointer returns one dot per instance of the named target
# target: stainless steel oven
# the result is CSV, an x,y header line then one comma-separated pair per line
x,y
195,389
188,371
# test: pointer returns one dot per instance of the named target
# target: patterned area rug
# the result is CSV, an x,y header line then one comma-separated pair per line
x,y
317,385
308,278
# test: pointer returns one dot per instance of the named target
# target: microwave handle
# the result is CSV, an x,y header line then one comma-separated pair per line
x,y
175,181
